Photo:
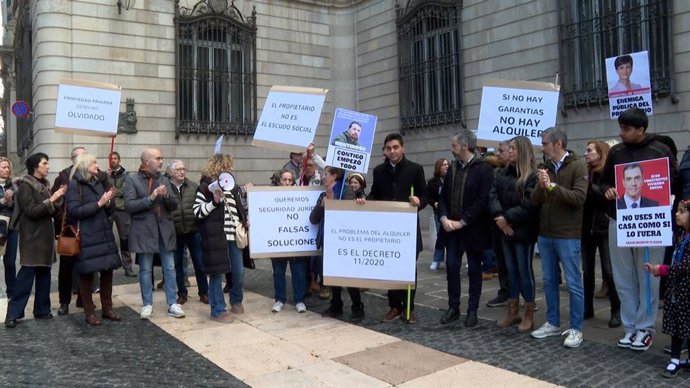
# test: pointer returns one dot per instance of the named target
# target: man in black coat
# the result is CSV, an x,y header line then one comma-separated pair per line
x,y
463,215
392,181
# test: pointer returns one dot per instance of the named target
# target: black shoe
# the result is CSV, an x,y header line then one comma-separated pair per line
x,y
615,321
129,272
333,311
44,317
588,315
10,323
64,309
357,313
450,316
683,349
471,319
671,371
498,301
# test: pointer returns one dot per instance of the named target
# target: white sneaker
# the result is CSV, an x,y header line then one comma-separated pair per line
x,y
434,265
278,307
546,330
642,341
146,312
626,341
301,307
574,338
175,310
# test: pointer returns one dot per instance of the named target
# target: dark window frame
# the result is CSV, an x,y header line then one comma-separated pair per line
x,y
215,67
23,57
593,30
430,79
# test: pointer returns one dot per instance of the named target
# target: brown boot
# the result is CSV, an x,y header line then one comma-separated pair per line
x,y
527,323
512,316
603,291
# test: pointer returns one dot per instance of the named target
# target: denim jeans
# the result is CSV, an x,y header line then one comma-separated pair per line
x,y
10,261
146,281
488,260
216,299
22,292
518,260
567,252
440,246
590,244
193,242
630,280
453,265
298,270
237,268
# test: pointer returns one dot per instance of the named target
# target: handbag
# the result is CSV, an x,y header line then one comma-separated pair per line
x,y
241,235
68,245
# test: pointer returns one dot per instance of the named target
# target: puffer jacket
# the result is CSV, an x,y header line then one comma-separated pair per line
x,y
504,200
98,248
183,216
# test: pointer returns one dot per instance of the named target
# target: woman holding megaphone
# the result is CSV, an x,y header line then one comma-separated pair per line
x,y
218,210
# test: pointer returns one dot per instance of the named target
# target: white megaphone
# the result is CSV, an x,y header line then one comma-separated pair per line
x,y
225,182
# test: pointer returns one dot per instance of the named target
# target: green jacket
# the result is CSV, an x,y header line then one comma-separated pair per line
x,y
560,215
183,216
117,180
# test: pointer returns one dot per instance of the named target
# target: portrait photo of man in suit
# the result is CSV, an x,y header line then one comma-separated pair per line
x,y
632,182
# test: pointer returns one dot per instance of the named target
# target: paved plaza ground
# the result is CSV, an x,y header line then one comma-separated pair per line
x,y
264,349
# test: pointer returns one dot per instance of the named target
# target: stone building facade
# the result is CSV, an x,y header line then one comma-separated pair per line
x,y
415,64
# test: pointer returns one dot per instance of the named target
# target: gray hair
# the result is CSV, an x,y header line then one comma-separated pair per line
x,y
73,154
554,134
465,136
172,164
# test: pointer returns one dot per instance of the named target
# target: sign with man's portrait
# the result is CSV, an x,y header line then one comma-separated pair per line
x,y
644,203
351,140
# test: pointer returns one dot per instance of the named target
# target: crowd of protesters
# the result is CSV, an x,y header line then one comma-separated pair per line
x,y
503,207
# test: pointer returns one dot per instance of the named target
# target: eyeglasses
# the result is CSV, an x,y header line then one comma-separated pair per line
x,y
180,169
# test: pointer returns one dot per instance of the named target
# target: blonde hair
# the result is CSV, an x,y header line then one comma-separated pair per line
x,y
81,165
525,164
217,164
9,163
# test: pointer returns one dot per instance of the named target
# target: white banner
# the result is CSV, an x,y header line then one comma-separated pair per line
x,y
517,108
627,88
87,108
375,243
289,118
279,221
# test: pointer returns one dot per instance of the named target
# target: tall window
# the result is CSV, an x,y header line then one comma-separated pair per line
x,y
430,81
216,70
593,30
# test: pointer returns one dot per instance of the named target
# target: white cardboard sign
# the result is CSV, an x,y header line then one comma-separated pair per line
x,y
87,108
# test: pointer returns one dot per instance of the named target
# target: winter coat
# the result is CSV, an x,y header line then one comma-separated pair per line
x,y
147,227
676,320
316,216
561,208
214,244
649,148
467,203
98,248
394,183
504,200
183,216
433,191
32,217
63,179
117,180
6,209
595,222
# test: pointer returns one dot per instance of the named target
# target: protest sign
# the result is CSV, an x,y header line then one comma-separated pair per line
x,y
372,245
628,89
517,108
644,204
351,139
279,221
289,118
87,108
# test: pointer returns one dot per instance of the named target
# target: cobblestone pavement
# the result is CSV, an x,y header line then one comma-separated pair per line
x,y
66,352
